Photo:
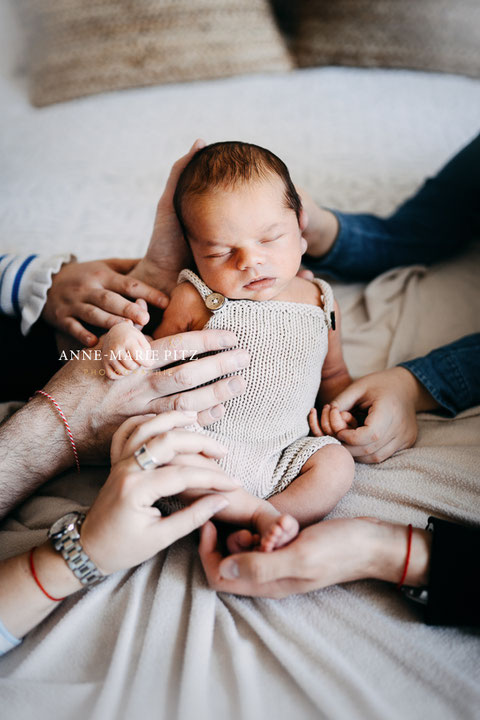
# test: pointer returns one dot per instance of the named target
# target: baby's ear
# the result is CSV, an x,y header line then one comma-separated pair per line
x,y
303,245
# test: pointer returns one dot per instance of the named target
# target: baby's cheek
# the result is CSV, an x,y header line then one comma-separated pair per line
x,y
218,277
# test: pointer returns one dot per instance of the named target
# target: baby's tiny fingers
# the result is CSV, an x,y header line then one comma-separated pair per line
x,y
314,424
336,421
117,367
325,420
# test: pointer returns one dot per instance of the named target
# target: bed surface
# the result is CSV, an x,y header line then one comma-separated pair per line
x,y
156,642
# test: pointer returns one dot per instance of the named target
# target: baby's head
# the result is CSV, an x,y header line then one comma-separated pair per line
x,y
243,219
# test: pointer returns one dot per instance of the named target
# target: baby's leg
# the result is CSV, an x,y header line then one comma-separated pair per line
x,y
324,479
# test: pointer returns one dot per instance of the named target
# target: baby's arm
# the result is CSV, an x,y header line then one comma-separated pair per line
x,y
335,375
186,311
335,378
125,348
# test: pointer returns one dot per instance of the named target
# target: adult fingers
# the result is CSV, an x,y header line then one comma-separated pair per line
x,y
136,430
211,415
164,446
252,573
152,485
75,328
260,568
351,396
201,398
116,304
121,435
192,374
195,342
307,274
122,265
177,169
197,460
131,287
383,453
374,434
183,522
96,316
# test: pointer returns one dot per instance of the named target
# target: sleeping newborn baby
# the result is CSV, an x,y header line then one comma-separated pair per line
x,y
243,219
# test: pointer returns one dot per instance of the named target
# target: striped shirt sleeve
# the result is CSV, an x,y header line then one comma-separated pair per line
x,y
24,283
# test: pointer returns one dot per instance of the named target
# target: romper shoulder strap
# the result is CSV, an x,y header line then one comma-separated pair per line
x,y
197,282
328,303
213,301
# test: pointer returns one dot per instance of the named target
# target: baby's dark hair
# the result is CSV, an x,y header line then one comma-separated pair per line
x,y
227,164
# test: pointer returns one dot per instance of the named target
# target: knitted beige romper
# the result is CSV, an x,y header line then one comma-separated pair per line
x,y
266,428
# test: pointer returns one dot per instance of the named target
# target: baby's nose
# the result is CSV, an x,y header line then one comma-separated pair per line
x,y
249,257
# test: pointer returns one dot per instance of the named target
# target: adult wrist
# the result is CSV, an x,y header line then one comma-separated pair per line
x,y
388,552
162,275
324,227
53,572
421,398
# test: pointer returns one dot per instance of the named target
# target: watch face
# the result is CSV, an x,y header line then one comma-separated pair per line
x,y
63,524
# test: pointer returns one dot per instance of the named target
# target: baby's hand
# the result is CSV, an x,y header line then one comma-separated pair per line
x,y
125,348
332,421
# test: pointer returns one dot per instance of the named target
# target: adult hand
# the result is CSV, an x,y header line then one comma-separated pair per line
x,y
95,293
330,552
33,442
320,226
391,399
168,252
122,529
96,406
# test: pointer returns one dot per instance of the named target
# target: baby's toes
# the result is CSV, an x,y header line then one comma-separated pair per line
x,y
280,533
240,541
271,537
290,528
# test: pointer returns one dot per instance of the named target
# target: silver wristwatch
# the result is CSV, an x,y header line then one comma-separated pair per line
x,y
65,537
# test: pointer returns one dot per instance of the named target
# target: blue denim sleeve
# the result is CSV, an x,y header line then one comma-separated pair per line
x,y
437,222
451,374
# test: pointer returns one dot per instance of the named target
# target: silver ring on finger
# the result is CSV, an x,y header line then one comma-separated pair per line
x,y
145,460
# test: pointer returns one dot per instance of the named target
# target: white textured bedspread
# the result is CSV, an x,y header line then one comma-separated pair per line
x,y
155,642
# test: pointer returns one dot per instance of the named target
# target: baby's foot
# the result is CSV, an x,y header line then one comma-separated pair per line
x,y
242,541
276,531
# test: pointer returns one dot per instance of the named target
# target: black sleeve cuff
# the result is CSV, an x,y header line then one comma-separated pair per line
x,y
454,576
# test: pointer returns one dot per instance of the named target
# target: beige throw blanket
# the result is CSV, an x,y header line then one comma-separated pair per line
x,y
155,642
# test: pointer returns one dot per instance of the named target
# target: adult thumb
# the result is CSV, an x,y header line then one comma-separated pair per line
x,y
348,398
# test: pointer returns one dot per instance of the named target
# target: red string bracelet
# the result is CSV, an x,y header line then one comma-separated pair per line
x,y
407,559
35,577
67,426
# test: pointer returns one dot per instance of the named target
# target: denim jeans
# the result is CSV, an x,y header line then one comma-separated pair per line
x,y
439,221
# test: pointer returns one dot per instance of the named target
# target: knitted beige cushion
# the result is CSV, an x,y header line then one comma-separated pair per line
x,y
441,35
81,47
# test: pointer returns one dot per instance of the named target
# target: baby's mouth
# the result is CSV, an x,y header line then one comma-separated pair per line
x,y
260,283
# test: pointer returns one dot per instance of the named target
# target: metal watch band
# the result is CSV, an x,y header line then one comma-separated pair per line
x,y
68,544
